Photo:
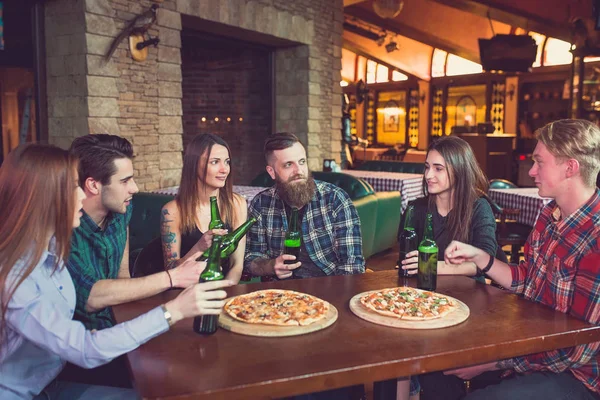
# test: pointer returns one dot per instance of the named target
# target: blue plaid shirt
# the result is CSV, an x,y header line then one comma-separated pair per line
x,y
330,230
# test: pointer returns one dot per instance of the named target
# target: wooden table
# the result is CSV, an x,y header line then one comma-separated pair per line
x,y
181,364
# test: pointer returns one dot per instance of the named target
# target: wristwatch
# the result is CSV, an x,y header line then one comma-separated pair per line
x,y
167,315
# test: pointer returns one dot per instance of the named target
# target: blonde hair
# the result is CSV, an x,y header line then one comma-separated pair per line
x,y
577,139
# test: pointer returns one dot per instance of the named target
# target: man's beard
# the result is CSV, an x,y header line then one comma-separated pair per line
x,y
296,194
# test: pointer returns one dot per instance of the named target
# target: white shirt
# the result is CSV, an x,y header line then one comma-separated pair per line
x,y
41,335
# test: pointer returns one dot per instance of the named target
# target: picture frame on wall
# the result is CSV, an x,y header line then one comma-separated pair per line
x,y
391,122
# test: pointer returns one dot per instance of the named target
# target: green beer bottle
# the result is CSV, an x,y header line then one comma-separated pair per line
x,y
230,241
293,238
428,257
207,324
215,217
407,241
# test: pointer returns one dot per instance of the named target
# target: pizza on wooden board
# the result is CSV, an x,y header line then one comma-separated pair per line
x,y
277,307
408,303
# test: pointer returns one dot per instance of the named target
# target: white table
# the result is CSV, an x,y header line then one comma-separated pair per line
x,y
248,192
525,199
410,186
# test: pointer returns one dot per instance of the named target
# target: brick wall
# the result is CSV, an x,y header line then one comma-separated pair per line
x,y
226,91
142,101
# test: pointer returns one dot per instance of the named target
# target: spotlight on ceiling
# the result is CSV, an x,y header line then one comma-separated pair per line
x,y
391,46
381,39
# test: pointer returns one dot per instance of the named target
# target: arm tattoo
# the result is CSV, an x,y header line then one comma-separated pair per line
x,y
168,238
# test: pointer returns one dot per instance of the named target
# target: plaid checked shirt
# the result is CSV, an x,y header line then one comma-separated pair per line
x,y
95,255
330,230
562,270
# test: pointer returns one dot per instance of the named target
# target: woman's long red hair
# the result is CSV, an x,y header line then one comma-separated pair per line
x,y
37,193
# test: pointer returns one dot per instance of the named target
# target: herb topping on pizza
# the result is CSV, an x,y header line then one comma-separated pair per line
x,y
408,303
277,307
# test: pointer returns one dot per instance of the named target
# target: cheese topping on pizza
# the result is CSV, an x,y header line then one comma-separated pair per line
x,y
277,307
408,303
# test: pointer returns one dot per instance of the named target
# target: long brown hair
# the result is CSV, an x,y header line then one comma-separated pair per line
x,y
187,199
37,193
466,179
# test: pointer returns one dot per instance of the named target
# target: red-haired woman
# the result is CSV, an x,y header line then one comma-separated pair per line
x,y
41,203
184,225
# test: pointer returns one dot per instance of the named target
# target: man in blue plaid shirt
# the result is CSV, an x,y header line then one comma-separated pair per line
x,y
331,237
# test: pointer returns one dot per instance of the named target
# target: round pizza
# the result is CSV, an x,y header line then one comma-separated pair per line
x,y
277,307
408,303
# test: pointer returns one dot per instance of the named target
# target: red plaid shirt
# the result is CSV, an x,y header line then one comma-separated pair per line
x,y
562,270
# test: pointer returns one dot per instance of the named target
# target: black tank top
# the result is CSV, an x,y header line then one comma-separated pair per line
x,y
188,240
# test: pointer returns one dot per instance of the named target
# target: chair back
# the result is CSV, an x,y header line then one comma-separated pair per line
x,y
502,184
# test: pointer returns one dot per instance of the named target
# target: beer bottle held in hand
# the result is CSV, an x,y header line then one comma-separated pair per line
x,y
207,324
293,238
215,217
428,257
230,242
408,240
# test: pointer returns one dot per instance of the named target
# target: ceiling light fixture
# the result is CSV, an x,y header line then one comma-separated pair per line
x,y
388,8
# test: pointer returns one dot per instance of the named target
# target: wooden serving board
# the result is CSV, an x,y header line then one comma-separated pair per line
x,y
243,328
454,318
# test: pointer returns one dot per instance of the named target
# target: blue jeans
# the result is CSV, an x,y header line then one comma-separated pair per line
x,y
537,386
61,390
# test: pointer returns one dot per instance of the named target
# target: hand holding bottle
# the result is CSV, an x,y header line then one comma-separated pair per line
x,y
187,273
199,299
410,263
283,270
206,240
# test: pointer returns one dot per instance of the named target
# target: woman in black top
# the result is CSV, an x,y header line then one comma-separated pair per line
x,y
453,183
184,221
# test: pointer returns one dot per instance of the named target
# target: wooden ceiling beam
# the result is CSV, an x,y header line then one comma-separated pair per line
x,y
511,16
394,26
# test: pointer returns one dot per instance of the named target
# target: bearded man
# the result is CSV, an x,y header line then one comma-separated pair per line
x,y
331,237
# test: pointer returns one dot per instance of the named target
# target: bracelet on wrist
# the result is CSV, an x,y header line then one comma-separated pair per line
x,y
488,266
170,280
